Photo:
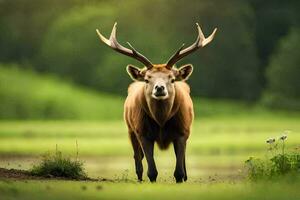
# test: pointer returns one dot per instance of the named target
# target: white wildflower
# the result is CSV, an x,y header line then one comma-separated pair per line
x,y
270,140
283,137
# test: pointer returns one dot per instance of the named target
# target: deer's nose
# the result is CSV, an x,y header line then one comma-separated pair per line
x,y
159,88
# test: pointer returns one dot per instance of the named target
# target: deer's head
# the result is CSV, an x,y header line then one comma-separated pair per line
x,y
159,78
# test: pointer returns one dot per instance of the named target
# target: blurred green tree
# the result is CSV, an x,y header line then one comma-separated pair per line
x,y
283,89
23,25
72,48
229,67
273,20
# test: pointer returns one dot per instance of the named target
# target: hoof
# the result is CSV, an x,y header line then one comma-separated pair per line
x,y
139,174
179,181
180,177
140,180
185,178
152,176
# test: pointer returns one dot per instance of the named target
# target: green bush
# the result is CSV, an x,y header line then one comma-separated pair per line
x,y
283,90
27,95
58,165
275,165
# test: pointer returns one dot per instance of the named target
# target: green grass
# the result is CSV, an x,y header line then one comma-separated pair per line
x,y
216,144
25,94
47,190
221,136
217,150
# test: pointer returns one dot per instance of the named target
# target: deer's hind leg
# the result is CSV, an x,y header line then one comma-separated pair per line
x,y
138,155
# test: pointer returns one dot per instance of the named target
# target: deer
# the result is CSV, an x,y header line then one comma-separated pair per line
x,y
158,108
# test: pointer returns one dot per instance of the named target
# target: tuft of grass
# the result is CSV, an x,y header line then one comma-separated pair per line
x,y
57,165
276,164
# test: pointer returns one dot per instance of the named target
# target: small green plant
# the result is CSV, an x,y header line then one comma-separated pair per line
x,y
277,163
57,165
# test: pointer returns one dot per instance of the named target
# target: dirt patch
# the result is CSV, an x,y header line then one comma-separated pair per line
x,y
24,175
17,174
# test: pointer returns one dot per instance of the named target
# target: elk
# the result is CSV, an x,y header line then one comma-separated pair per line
x,y
158,108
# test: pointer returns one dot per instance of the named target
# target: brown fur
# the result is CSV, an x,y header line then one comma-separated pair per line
x,y
164,120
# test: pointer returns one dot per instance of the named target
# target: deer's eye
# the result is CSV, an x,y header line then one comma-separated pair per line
x,y
173,80
146,81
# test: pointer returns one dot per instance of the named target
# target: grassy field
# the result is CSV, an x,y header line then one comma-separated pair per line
x,y
25,94
65,190
216,152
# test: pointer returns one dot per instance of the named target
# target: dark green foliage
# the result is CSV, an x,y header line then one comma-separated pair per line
x,y
256,168
23,25
273,20
282,164
83,58
228,67
283,90
58,165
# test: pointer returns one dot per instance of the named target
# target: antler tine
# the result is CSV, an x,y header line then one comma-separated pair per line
x,y
173,57
201,41
114,44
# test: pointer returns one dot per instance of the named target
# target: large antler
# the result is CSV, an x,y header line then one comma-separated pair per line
x,y
114,44
201,41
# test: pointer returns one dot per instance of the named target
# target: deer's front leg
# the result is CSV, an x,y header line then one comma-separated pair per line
x,y
148,146
138,156
179,148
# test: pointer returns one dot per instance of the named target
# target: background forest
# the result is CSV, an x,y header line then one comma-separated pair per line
x,y
51,57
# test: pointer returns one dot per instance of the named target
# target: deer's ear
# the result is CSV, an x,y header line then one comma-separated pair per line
x,y
135,73
184,72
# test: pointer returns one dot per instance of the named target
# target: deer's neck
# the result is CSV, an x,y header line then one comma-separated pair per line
x,y
161,110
